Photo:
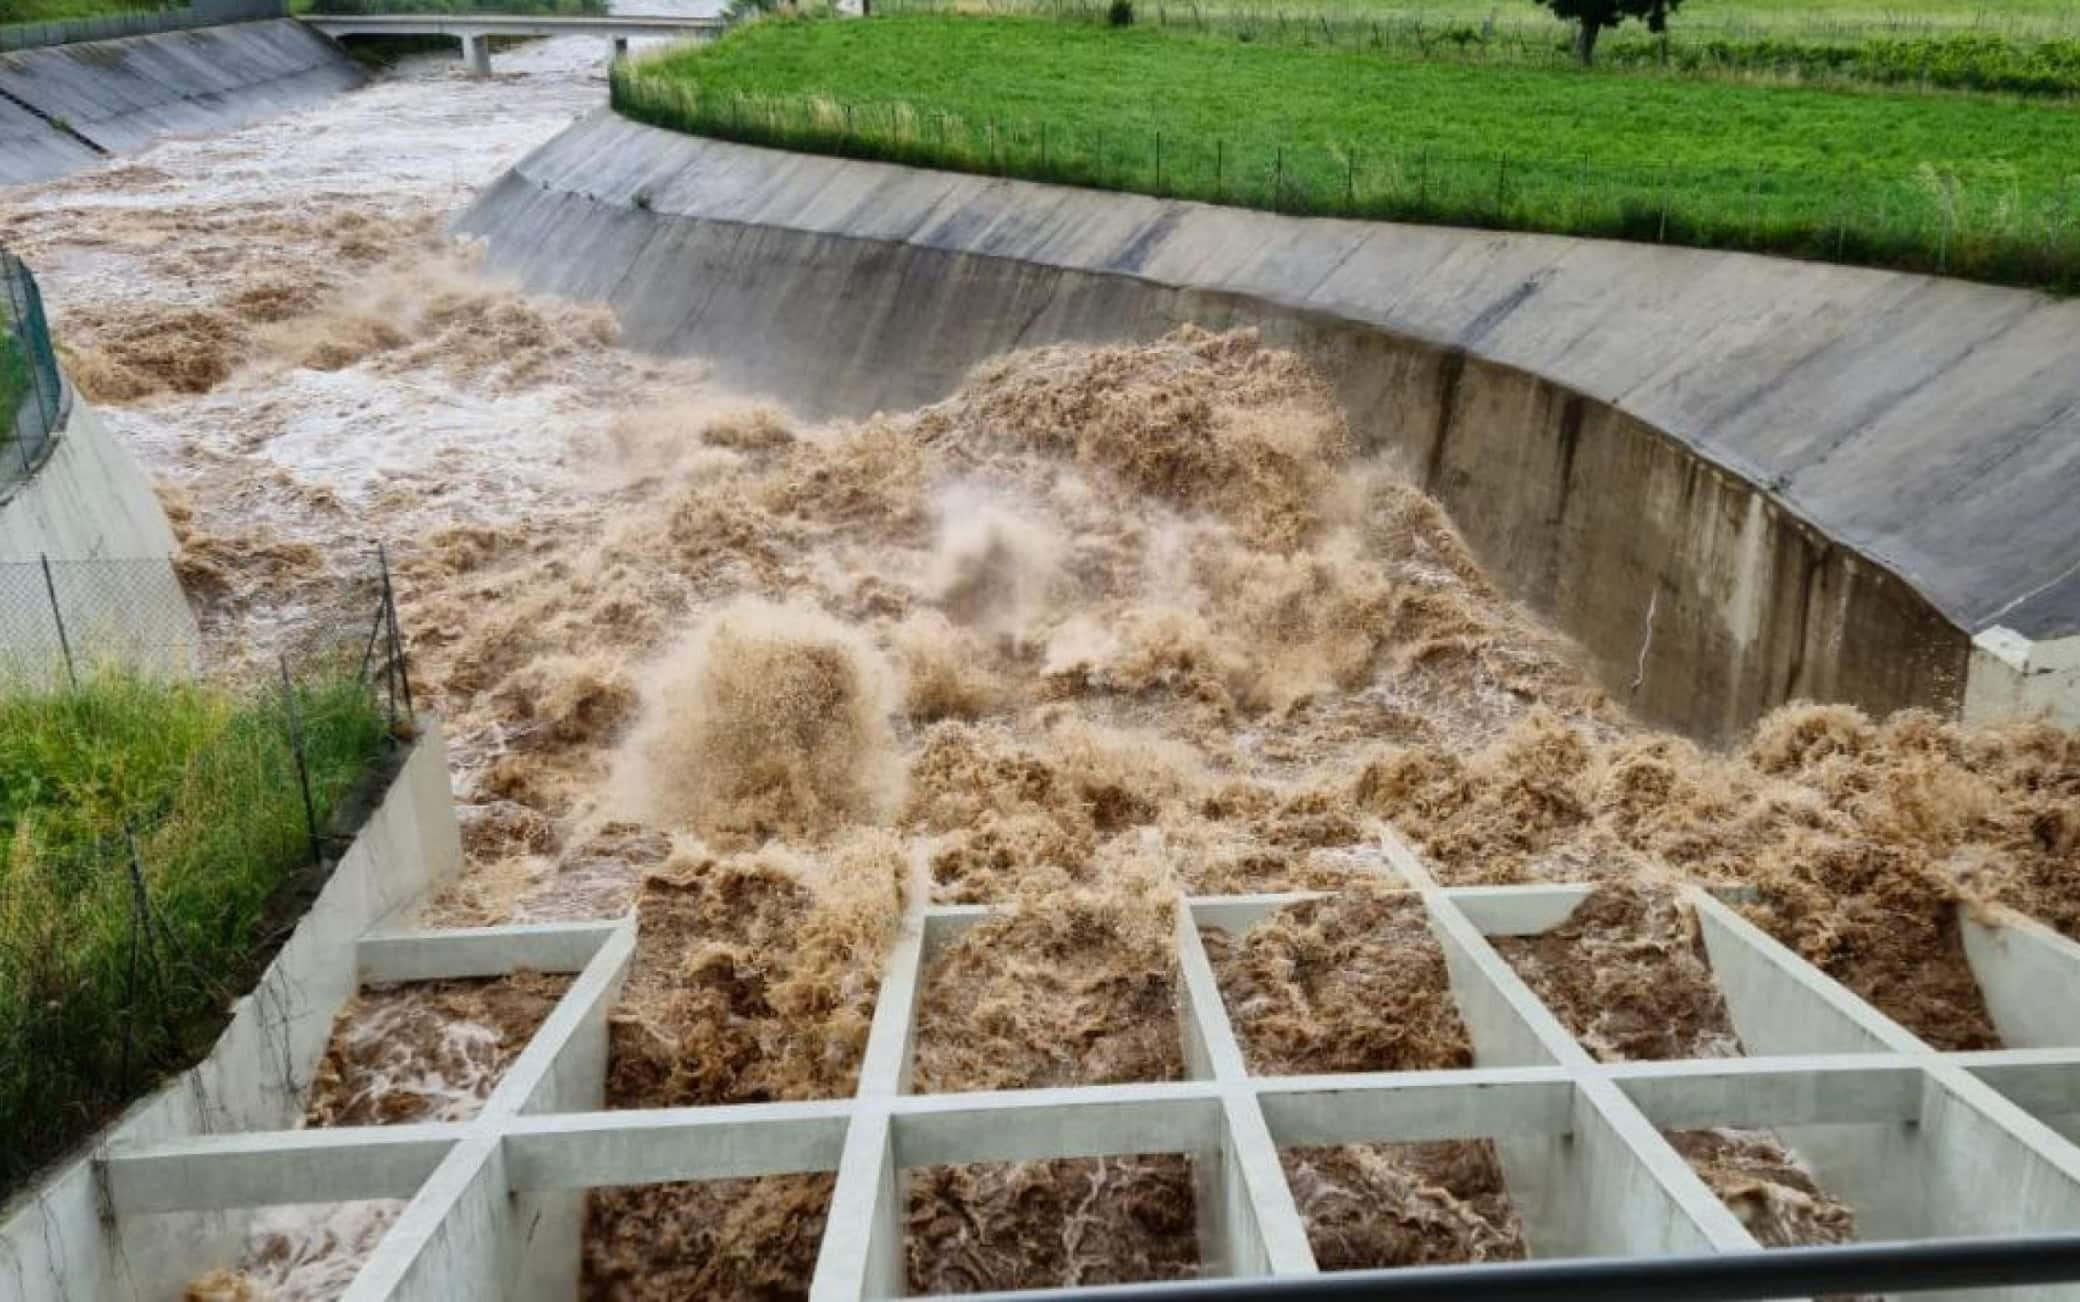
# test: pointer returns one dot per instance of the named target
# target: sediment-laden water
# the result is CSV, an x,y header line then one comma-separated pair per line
x,y
1105,625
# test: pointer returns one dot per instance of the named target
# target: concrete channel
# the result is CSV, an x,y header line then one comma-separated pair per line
x,y
1735,481
64,107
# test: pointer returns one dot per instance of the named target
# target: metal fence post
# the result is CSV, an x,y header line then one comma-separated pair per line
x,y
303,771
58,617
130,976
404,677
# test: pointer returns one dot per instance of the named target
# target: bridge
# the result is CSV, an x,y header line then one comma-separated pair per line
x,y
473,28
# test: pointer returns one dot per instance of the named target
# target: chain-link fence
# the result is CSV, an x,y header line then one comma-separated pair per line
x,y
60,620
140,22
160,834
32,392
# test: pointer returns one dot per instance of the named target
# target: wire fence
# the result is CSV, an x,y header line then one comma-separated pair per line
x,y
1996,225
61,619
32,391
568,8
159,837
140,22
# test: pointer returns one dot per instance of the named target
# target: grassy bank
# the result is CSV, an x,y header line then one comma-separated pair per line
x,y
1965,185
2008,58
205,781
46,11
1811,17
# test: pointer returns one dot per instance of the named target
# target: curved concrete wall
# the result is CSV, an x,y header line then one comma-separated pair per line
x,y
90,501
1735,480
60,105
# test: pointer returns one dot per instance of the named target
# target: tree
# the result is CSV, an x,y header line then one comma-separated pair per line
x,y
1592,16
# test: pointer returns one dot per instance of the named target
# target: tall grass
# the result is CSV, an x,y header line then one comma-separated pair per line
x,y
1952,186
202,782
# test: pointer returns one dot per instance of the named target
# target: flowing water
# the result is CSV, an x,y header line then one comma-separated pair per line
x,y
1106,624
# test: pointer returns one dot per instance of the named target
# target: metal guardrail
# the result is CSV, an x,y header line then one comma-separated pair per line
x,y
144,22
1862,1268
33,397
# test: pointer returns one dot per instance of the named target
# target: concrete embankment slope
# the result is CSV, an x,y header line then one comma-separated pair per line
x,y
60,104
31,149
1735,480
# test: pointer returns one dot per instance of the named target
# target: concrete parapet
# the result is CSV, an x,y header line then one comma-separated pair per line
x,y
2012,677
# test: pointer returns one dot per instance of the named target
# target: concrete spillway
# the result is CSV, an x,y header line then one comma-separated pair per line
x,y
1735,480
63,107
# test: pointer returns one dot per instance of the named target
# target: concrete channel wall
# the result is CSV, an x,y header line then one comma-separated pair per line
x,y
56,1245
1736,481
65,106
89,501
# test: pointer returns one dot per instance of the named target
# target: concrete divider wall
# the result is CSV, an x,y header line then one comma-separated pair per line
x,y
55,1244
1735,480
119,96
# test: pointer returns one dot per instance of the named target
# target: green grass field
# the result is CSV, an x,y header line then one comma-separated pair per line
x,y
45,11
2002,56
207,780
1968,184
2044,17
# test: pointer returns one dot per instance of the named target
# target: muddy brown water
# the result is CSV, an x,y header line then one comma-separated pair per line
x,y
1106,624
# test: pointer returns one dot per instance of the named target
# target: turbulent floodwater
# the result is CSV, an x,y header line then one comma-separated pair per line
x,y
216,295
1107,624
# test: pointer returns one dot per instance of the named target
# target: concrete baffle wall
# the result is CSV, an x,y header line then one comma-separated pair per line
x,y
1736,481
56,1245
1922,1144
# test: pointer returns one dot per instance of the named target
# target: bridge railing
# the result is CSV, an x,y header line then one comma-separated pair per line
x,y
512,8
32,391
143,22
